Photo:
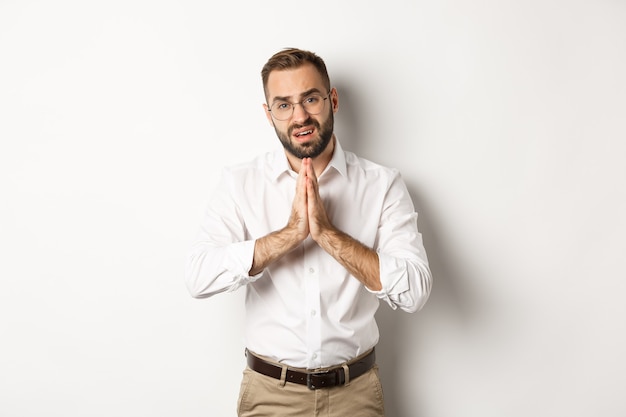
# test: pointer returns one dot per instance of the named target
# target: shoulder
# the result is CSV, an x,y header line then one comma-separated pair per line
x,y
358,165
254,173
254,166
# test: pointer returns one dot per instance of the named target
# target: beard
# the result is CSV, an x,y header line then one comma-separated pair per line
x,y
312,148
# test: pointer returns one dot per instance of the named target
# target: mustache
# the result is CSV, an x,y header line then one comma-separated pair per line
x,y
308,122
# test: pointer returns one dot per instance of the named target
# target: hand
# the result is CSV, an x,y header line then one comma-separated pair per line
x,y
308,214
316,212
299,219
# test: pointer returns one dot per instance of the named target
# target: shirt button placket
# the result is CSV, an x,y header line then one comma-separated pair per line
x,y
312,295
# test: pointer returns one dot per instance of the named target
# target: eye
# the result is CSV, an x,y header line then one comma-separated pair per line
x,y
312,99
281,105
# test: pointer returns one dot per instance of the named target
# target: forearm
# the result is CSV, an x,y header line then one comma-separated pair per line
x,y
358,259
272,247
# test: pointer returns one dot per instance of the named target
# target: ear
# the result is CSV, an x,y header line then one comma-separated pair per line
x,y
268,114
334,99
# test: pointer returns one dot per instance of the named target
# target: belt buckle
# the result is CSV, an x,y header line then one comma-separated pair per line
x,y
317,380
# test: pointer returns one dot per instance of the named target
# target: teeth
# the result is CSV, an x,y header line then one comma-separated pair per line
x,y
305,133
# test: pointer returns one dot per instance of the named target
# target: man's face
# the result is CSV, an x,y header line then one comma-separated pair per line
x,y
302,135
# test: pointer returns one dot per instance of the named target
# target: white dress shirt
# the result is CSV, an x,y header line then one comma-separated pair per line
x,y
306,310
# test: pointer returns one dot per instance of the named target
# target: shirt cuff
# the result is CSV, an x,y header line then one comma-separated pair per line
x,y
240,261
393,278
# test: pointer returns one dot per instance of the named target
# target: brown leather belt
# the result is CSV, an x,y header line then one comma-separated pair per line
x,y
315,379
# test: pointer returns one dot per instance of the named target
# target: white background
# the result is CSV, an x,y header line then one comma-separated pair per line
x,y
506,119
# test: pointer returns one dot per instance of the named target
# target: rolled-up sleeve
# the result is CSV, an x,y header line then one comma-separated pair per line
x,y
221,257
406,283
404,271
211,270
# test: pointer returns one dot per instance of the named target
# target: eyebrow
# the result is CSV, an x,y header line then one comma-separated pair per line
x,y
306,93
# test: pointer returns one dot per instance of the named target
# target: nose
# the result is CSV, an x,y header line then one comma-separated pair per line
x,y
299,113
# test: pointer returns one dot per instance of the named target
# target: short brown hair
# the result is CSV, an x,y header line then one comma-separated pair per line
x,y
290,58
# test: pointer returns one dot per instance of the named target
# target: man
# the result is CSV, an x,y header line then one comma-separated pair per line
x,y
317,236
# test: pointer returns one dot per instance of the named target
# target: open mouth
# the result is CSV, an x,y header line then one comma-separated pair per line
x,y
304,133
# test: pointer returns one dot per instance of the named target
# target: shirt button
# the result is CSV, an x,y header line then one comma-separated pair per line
x,y
313,312
315,356
311,270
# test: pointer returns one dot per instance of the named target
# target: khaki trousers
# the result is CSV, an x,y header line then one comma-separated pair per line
x,y
264,396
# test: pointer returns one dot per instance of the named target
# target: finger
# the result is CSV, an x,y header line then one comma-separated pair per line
x,y
309,170
314,201
311,197
301,180
304,165
299,215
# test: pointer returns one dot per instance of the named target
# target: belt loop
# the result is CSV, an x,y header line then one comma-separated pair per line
x,y
283,377
346,372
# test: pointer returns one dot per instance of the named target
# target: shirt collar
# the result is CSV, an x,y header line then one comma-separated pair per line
x,y
280,164
338,161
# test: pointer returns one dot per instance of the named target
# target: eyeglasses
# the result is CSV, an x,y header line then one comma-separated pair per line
x,y
312,104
